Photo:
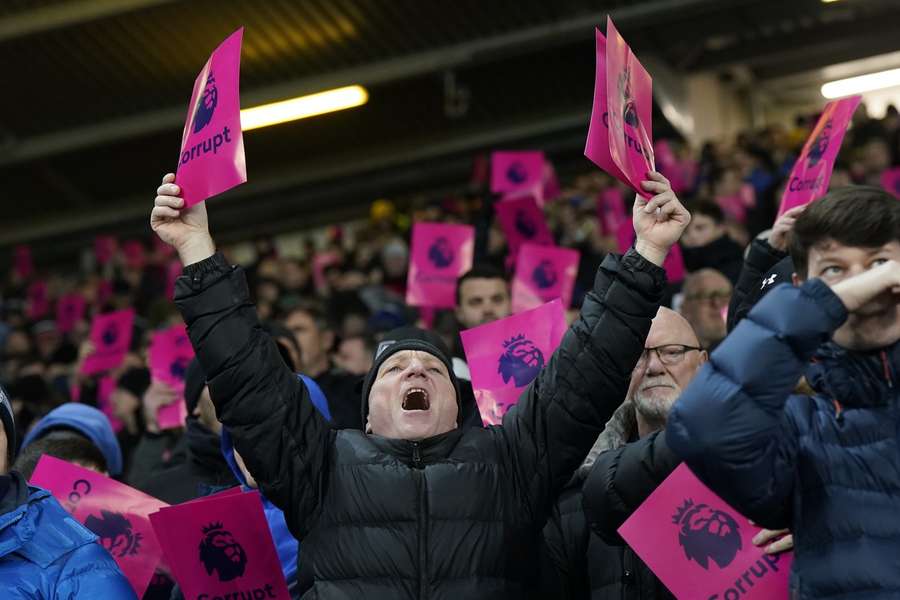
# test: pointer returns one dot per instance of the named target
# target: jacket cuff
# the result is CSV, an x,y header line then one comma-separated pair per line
x,y
198,271
821,295
645,270
763,256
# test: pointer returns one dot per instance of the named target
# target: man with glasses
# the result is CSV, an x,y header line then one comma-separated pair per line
x,y
706,296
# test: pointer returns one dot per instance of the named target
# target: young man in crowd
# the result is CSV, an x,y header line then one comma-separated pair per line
x,y
707,245
415,506
482,296
706,296
826,465
314,335
44,552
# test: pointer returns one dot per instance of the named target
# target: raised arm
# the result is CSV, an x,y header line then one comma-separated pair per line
x,y
283,439
558,417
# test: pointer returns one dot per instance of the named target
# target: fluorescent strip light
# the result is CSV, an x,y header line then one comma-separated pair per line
x,y
863,83
828,1
303,107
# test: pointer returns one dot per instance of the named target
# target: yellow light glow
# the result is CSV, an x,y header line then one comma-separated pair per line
x,y
863,83
303,107
828,1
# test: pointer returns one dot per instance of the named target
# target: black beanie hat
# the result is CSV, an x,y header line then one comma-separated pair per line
x,y
136,380
408,338
194,382
9,425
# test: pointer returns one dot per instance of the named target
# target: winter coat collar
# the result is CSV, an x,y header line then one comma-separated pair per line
x,y
427,451
856,379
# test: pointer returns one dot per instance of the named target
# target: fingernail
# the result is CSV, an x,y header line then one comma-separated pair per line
x,y
756,540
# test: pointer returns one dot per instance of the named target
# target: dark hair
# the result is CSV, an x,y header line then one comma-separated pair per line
x,y
63,444
860,216
479,271
710,209
313,310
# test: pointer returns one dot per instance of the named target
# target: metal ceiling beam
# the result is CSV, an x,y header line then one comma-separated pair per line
x,y
67,14
373,74
328,169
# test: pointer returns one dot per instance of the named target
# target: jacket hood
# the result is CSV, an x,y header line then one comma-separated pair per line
x,y
87,421
856,379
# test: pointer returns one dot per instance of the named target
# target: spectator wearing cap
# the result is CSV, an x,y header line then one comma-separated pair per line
x,y
415,505
44,552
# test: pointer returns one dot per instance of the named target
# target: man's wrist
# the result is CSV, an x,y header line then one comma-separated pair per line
x,y
651,252
197,250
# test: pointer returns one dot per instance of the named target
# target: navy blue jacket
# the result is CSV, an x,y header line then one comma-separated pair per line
x,y
827,466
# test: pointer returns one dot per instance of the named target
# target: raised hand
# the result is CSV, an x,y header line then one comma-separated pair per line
x,y
779,237
658,222
783,540
881,284
186,230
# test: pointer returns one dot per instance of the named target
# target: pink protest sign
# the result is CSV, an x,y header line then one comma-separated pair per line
x,y
543,273
674,263
105,387
506,355
611,210
118,514
104,248
24,264
69,310
522,221
811,174
512,171
170,354
211,160
111,336
890,180
629,95
700,547
229,541
440,255
38,300
596,148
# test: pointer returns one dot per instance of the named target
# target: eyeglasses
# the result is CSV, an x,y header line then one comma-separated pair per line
x,y
670,354
715,296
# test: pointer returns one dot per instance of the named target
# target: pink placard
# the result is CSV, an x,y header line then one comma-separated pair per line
x,y
106,385
115,512
596,148
23,262
812,172
221,547
440,255
506,355
522,221
543,273
512,171
111,336
38,300
629,93
890,180
170,354
104,248
611,210
674,263
70,309
135,254
700,547
211,159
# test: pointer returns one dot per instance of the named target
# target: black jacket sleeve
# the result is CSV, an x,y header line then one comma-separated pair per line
x,y
760,259
559,416
622,479
283,439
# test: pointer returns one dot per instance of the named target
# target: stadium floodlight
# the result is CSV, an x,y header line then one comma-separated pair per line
x,y
303,107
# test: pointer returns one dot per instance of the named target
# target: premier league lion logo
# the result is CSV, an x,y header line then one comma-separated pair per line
x,y
819,146
110,334
521,361
115,533
707,533
441,253
220,552
206,104
179,366
524,225
629,111
544,275
516,173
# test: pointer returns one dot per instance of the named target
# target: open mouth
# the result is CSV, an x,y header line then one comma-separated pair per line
x,y
416,399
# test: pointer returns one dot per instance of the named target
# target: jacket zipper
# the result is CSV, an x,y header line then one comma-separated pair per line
x,y
422,520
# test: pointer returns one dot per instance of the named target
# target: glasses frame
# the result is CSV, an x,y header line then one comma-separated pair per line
x,y
645,355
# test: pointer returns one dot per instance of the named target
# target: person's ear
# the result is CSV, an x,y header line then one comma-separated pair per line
x,y
795,280
368,426
704,356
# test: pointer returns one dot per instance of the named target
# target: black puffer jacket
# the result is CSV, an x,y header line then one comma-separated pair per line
x,y
455,516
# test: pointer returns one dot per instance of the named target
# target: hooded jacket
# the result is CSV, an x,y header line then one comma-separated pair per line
x,y
452,516
88,421
826,466
45,554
